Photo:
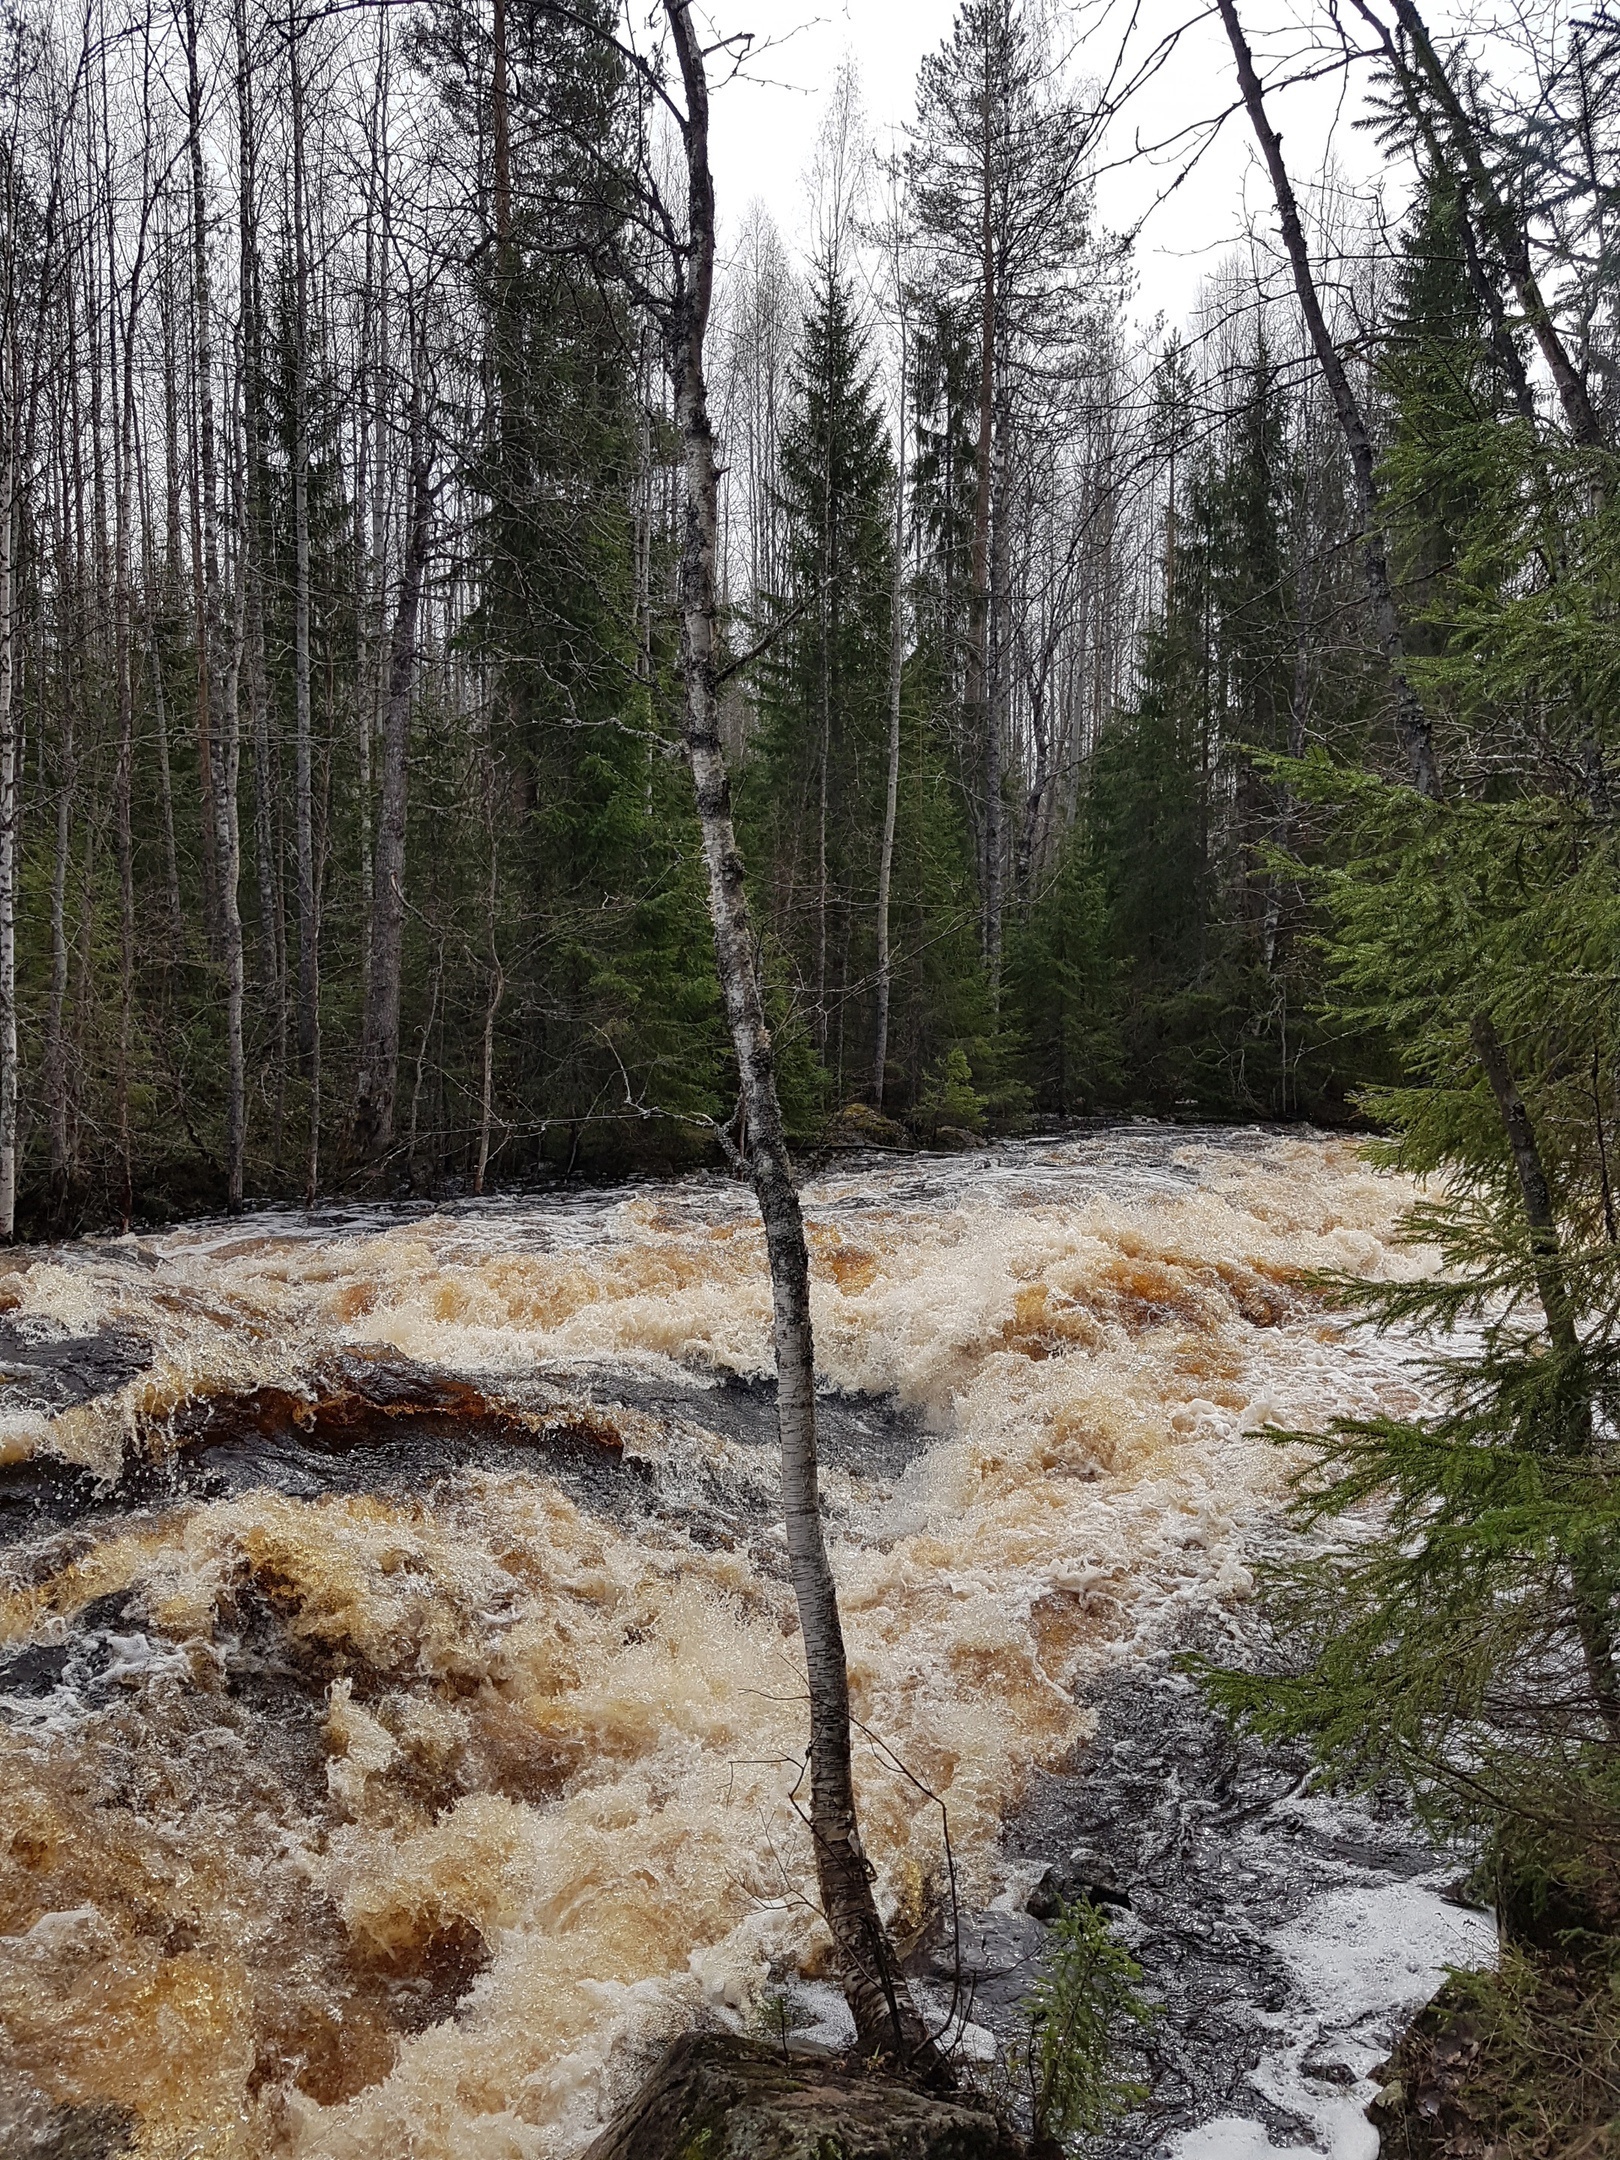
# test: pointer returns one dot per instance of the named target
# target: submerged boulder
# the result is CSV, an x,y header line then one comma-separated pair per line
x,y
715,2097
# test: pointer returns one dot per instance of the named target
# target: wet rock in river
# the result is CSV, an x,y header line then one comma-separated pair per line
x,y
729,2099
1085,1874
992,1958
43,1370
97,2132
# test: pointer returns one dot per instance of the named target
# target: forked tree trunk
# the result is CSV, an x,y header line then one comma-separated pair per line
x,y
885,2020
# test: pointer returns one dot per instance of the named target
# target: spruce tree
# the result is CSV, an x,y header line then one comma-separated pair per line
x,y
813,795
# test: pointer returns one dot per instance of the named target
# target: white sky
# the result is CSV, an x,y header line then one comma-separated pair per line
x,y
765,124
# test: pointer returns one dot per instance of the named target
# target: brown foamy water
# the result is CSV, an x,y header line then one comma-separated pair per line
x,y
373,1822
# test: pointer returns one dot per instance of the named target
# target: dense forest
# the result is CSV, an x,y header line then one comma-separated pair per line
x,y
345,839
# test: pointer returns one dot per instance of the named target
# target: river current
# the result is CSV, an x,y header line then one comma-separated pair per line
x,y
401,1704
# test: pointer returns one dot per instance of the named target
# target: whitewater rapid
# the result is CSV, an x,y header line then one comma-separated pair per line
x,y
361,1815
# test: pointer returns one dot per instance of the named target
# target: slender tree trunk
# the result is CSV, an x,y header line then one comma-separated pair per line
x,y
56,1074
272,929
1411,722
379,1030
891,798
228,855
221,760
160,714
363,702
981,712
10,421
124,782
1298,700
995,703
303,717
497,988
500,130
381,376
885,2020
435,984
206,481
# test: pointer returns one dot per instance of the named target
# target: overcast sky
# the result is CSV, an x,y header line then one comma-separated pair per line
x,y
765,125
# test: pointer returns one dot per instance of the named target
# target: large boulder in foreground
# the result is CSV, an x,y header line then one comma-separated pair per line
x,y
714,2097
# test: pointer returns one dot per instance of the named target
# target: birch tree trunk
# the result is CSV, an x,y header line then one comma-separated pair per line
x,y
885,2020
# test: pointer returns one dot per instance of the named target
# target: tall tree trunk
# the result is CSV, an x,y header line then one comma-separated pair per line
x,y
379,1028
221,760
497,989
995,700
160,712
56,1061
981,712
272,928
1591,1598
206,482
303,717
228,855
500,130
10,424
826,616
1411,721
891,798
124,691
885,2019
1298,702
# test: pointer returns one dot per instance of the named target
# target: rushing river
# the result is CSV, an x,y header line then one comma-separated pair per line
x,y
400,1691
